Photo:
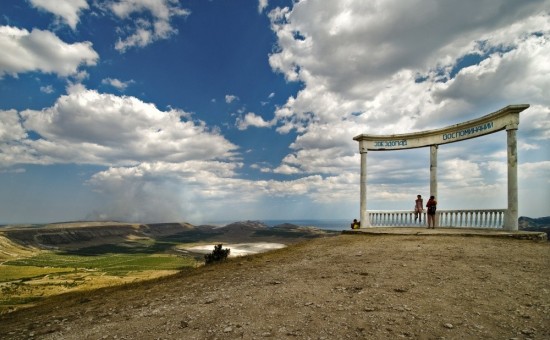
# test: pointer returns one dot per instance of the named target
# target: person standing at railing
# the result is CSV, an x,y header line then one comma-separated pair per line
x,y
432,206
355,224
418,208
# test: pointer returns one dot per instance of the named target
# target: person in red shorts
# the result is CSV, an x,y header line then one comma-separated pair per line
x,y
432,206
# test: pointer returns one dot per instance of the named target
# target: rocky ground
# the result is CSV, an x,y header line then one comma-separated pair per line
x,y
344,287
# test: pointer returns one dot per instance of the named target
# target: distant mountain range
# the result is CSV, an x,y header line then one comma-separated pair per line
x,y
75,235
535,224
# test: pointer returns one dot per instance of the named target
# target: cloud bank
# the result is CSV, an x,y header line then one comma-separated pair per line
x,y
379,67
385,68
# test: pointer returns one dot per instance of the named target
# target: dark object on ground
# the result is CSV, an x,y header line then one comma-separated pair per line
x,y
218,254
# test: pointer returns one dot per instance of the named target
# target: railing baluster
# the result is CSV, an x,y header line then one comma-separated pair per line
x,y
482,219
475,218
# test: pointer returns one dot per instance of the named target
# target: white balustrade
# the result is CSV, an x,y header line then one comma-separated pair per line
x,y
478,218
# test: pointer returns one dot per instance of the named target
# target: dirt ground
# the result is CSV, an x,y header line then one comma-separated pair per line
x,y
344,287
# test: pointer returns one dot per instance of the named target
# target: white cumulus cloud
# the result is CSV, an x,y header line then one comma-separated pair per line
x,y
85,126
42,51
46,89
117,83
262,4
252,119
148,21
67,10
229,98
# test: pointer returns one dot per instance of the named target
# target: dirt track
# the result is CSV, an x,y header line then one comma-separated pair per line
x,y
350,286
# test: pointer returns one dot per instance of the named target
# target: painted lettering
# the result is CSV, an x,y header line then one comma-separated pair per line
x,y
390,143
469,131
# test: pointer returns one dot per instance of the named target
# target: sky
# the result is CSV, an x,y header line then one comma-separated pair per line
x,y
228,110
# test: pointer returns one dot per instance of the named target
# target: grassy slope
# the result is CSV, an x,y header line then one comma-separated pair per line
x,y
29,274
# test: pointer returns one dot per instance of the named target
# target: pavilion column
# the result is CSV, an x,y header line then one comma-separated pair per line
x,y
364,216
511,218
433,171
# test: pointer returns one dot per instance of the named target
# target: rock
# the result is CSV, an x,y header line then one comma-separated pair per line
x,y
528,331
448,325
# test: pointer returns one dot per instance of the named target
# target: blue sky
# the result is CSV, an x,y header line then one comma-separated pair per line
x,y
167,110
